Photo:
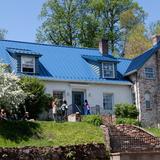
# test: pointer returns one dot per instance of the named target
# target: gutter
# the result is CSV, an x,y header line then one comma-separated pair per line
x,y
83,81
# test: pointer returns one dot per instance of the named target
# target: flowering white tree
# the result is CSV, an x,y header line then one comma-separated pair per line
x,y
11,94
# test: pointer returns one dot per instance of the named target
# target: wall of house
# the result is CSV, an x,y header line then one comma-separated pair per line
x,y
149,117
92,92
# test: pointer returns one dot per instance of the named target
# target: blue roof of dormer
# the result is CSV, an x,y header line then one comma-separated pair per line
x,y
100,58
60,63
18,51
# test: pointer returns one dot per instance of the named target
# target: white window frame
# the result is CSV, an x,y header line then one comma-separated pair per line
x,y
108,94
103,70
23,57
148,72
63,94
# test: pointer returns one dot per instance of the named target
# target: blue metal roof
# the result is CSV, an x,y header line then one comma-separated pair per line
x,y
59,62
139,61
22,51
100,58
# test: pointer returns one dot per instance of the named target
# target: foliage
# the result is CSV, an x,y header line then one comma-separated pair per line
x,y
155,131
130,121
36,100
2,33
11,95
93,119
126,111
137,42
155,28
47,133
83,23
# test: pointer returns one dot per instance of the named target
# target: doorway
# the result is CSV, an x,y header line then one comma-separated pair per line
x,y
77,101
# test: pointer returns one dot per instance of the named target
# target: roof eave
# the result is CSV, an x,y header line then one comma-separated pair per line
x,y
87,81
131,72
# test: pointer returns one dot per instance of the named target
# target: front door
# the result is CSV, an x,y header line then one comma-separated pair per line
x,y
77,101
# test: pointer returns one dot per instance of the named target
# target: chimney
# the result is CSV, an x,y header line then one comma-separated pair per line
x,y
155,39
103,47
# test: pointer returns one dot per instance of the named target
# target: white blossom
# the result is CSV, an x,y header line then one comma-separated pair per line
x,y
11,94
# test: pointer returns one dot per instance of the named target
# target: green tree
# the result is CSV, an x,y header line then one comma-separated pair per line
x,y
2,33
84,22
154,28
137,42
60,22
36,100
116,19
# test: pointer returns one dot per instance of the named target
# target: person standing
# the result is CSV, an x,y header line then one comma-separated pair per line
x,y
86,108
64,109
53,110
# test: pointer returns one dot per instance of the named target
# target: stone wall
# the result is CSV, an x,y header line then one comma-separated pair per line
x,y
148,117
128,138
77,152
136,156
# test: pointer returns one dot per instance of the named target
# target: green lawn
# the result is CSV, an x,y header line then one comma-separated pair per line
x,y
154,131
18,134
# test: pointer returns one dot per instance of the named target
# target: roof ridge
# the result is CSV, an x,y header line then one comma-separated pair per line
x,y
53,45
144,52
125,58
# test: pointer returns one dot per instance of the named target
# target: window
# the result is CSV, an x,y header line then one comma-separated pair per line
x,y
133,98
149,73
147,100
108,101
108,70
28,64
59,96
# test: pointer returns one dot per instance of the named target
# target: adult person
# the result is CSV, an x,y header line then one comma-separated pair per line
x,y
64,109
3,115
54,110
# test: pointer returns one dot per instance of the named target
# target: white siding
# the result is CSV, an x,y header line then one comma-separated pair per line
x,y
93,92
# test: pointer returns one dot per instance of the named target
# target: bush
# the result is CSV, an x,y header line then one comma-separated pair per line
x,y
126,111
130,121
36,101
93,119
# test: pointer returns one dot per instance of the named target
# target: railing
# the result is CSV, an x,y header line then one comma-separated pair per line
x,y
71,109
95,109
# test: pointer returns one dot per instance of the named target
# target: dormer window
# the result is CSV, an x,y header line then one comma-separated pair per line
x,y
28,64
108,70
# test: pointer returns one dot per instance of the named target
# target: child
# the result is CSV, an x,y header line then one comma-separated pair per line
x,y
86,108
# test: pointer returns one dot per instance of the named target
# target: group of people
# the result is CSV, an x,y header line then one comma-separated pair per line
x,y
10,115
60,113
56,112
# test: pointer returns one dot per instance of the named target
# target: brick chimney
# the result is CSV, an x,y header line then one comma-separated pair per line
x,y
103,47
155,39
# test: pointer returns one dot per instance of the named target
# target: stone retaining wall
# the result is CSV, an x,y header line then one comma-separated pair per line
x,y
77,152
136,156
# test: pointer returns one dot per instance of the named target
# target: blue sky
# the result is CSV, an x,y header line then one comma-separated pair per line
x,y
20,17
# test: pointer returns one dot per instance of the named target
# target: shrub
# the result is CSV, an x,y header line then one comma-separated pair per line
x,y
126,111
130,121
36,101
93,119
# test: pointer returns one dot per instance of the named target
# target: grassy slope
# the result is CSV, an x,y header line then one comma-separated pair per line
x,y
18,134
155,131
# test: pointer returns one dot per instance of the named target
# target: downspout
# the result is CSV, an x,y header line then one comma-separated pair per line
x,y
157,90
137,99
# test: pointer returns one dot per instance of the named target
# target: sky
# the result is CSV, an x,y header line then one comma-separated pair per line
x,y
20,17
